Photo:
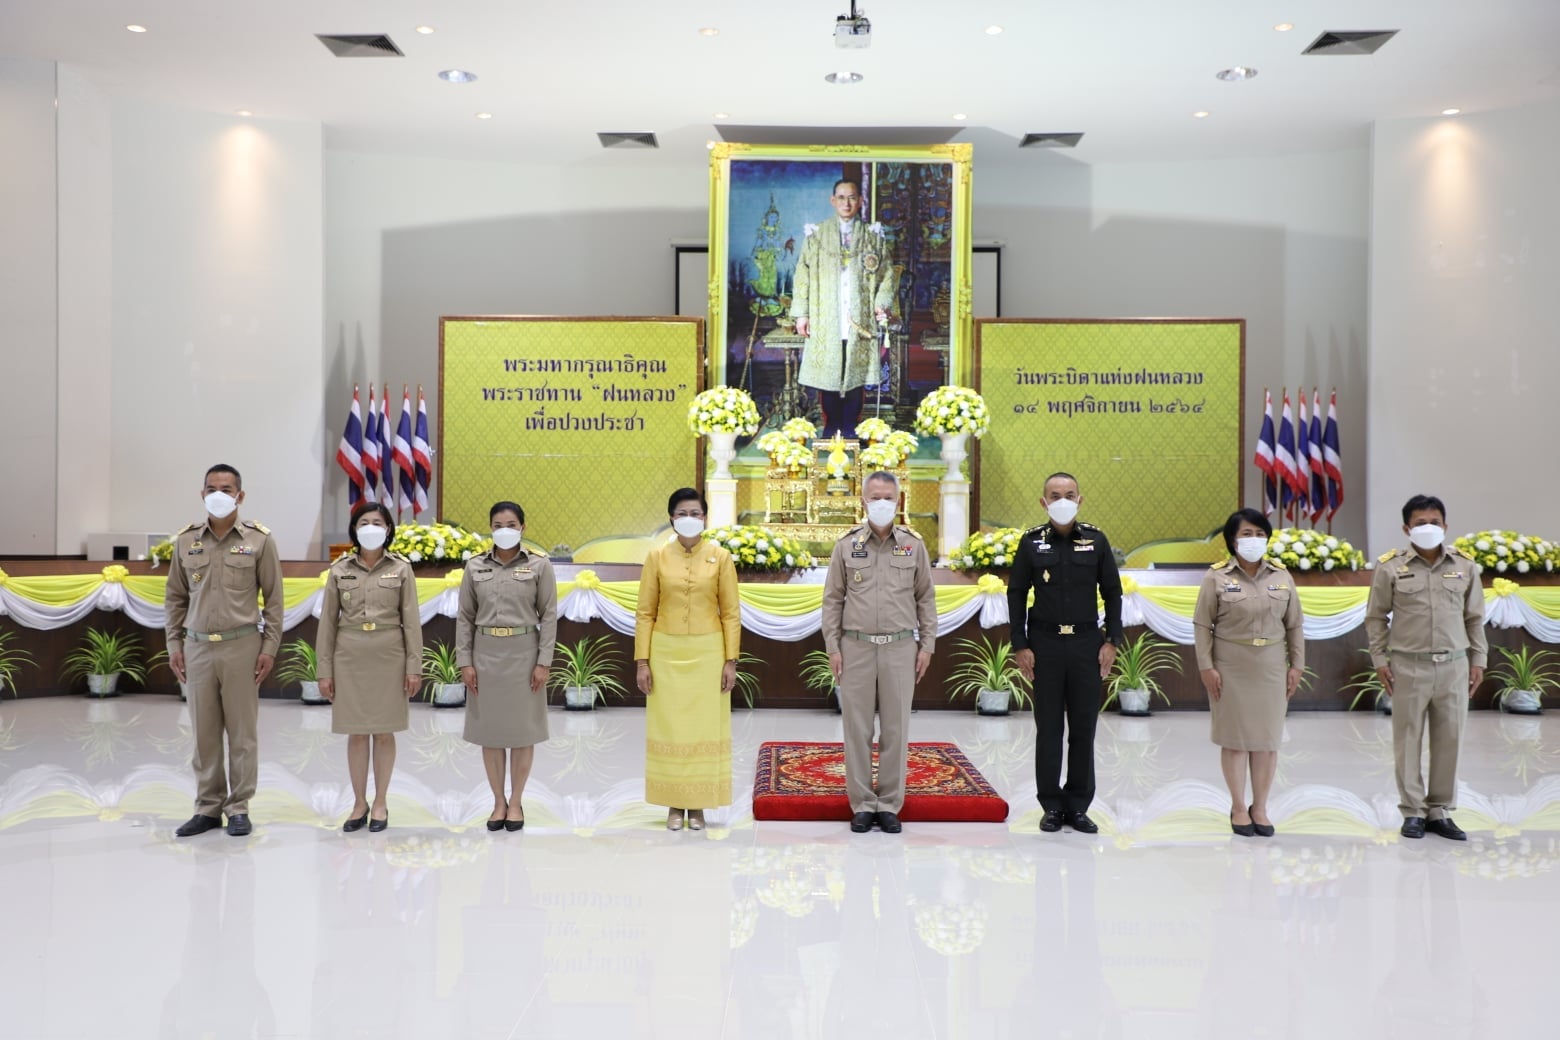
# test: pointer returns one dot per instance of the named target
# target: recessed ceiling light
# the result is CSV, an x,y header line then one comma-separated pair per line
x,y
1199,115
136,28
709,30
960,115
426,30
1283,26
844,79
458,76
1451,111
722,115
484,115
993,30
243,112
1236,73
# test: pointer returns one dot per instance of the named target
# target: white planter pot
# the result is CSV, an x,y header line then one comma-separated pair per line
x,y
1133,702
103,685
449,695
723,448
309,693
991,702
579,698
953,454
1521,702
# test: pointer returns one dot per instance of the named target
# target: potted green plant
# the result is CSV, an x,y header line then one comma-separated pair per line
x,y
587,671
990,673
1527,674
817,674
442,686
1133,680
747,682
1366,683
102,657
12,660
301,664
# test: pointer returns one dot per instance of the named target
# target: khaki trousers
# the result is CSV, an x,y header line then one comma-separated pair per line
x,y
877,679
224,700
1428,696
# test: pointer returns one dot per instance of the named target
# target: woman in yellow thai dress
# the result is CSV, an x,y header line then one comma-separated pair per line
x,y
686,644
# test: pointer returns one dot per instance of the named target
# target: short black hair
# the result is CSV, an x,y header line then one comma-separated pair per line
x,y
1244,516
1063,475
846,180
1419,502
507,507
686,494
223,467
361,510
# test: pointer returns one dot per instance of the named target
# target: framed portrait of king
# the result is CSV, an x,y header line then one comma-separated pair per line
x,y
839,279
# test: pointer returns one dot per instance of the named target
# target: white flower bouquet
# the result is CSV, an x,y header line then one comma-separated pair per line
x,y
986,550
1302,550
774,442
760,549
793,456
952,409
873,430
438,543
1507,552
880,456
799,430
723,409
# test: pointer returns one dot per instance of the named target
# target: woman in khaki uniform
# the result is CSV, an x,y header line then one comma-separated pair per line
x,y
370,656
1247,617
504,636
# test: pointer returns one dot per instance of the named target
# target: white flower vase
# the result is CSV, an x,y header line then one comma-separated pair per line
x,y
953,454
723,448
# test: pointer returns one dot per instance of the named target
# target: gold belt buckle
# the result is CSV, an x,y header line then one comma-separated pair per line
x,y
1260,641
880,640
215,637
370,626
501,632
1064,630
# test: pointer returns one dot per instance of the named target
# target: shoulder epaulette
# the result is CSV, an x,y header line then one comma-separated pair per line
x,y
397,556
1384,557
1275,564
196,526
1037,527
847,534
1459,551
912,532
1084,523
1221,564
258,526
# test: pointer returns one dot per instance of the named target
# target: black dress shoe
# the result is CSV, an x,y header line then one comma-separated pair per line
x,y
514,825
198,824
238,825
1413,827
1446,829
1052,821
1245,830
1263,830
862,822
357,823
1080,822
888,823
496,825
375,826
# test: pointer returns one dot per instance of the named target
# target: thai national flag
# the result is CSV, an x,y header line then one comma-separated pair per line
x,y
349,453
371,450
407,499
1284,457
421,457
1264,456
386,454
1303,463
1332,456
1318,460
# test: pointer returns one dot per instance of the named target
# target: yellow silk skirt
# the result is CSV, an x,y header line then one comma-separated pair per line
x,y
687,723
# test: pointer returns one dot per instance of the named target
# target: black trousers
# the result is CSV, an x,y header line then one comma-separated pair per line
x,y
1067,689
841,412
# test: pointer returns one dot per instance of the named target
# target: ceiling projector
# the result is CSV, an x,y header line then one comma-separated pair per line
x,y
852,30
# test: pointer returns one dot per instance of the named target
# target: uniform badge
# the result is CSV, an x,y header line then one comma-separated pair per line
x,y
860,543
1403,569
519,571
1452,574
196,547
1046,575
1277,588
858,554
857,578
904,550
1233,586
346,597
1083,547
1042,547
870,262
197,577
242,550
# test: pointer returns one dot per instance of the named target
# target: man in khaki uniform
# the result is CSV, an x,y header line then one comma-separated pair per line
x,y
877,602
1430,656
220,570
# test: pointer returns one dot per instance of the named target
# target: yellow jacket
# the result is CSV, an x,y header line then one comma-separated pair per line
x,y
688,592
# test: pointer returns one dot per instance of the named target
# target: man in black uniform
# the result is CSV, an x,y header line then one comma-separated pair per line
x,y
1058,644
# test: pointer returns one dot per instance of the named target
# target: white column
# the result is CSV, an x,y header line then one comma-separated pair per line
x,y
953,517
722,494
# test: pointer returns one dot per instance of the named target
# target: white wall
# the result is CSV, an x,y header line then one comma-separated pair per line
x,y
28,329
1465,333
217,306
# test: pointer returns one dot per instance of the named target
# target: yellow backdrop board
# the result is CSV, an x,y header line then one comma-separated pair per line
x,y
1145,413
583,421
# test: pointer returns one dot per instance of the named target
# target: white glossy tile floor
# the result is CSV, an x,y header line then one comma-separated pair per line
x,y
597,922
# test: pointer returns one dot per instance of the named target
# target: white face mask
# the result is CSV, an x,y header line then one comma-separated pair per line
x,y
371,536
1063,511
688,526
506,537
1251,549
881,511
220,504
1427,536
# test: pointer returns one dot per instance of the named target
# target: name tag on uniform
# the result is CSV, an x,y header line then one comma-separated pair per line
x,y
904,550
518,571
1083,547
1042,547
1452,574
242,550
1233,586
1277,588
858,554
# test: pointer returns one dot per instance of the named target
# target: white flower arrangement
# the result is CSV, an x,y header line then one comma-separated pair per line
x,y
793,455
1303,550
986,550
952,410
873,430
760,549
723,409
438,543
1507,552
880,456
799,429
773,442
162,552
902,441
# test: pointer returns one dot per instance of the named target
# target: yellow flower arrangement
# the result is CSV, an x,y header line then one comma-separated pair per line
x,y
723,409
1505,552
952,410
760,549
1302,550
799,429
794,456
438,543
873,430
986,550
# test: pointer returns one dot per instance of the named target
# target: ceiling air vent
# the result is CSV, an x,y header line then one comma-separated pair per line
x,y
376,46
1050,141
1350,42
628,140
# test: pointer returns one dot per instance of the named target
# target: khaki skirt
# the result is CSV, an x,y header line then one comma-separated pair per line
x,y
505,713
1249,715
370,672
